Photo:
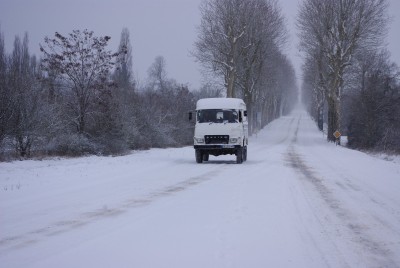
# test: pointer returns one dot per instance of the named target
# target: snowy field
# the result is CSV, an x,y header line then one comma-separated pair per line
x,y
297,202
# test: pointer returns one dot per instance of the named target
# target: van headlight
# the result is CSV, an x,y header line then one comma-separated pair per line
x,y
233,140
199,140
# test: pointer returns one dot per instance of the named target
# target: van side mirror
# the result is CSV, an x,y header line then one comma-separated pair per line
x,y
245,113
190,116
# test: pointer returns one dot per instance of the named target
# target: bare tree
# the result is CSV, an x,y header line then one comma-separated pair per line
x,y
223,24
82,62
5,92
157,74
25,97
265,35
123,70
338,29
126,95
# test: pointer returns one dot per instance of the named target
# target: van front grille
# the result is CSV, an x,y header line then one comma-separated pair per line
x,y
216,139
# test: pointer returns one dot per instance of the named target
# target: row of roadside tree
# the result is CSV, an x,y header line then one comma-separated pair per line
x,y
349,81
240,43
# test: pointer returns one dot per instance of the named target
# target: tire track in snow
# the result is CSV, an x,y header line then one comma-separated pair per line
x,y
86,218
380,254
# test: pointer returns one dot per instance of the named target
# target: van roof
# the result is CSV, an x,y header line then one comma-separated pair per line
x,y
220,103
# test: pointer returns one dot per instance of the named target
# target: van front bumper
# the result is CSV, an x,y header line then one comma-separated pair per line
x,y
216,146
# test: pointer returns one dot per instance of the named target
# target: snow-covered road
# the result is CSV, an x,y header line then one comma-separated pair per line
x,y
297,202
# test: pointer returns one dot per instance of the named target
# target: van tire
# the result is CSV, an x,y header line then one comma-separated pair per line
x,y
206,156
244,153
239,156
199,156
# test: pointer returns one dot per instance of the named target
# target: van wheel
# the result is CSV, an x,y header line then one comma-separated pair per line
x,y
199,156
206,156
239,156
245,153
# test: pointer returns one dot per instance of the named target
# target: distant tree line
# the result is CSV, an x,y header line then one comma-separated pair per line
x,y
349,81
80,98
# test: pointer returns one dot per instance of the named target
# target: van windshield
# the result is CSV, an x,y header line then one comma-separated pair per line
x,y
217,116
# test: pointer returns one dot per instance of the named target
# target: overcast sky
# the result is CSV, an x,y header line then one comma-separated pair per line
x,y
157,27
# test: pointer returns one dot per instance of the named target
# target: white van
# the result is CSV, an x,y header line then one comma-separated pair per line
x,y
221,128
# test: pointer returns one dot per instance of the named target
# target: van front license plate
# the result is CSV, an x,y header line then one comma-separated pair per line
x,y
228,146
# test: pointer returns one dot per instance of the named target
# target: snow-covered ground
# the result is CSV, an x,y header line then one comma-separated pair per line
x,y
297,202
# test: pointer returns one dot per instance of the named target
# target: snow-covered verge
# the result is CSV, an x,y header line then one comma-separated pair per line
x,y
297,202
388,157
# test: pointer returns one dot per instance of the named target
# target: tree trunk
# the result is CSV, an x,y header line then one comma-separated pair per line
x,y
333,118
81,123
320,117
231,82
250,118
